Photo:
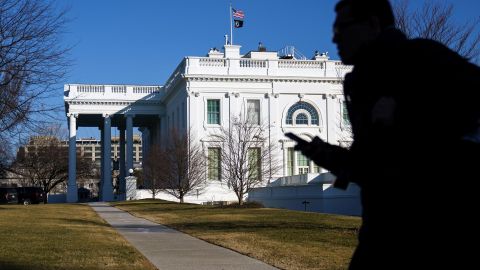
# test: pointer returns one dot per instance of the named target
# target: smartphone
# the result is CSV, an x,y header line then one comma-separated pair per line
x,y
295,138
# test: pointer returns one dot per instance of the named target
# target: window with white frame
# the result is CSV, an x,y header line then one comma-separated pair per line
x,y
214,166
302,113
213,111
302,164
253,111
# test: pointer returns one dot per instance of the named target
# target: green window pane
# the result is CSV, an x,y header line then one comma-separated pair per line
x,y
302,119
253,111
254,163
213,111
214,163
346,119
290,154
302,160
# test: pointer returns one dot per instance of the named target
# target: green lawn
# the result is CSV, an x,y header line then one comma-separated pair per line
x,y
62,236
283,238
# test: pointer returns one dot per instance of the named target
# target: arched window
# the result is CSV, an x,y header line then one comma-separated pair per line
x,y
301,119
301,105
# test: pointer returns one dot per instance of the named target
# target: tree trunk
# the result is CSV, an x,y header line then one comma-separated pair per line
x,y
181,199
240,199
45,198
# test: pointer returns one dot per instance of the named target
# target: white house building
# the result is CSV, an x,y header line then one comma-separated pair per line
x,y
287,93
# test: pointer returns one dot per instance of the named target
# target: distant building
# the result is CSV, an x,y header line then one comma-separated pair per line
x,y
87,147
91,148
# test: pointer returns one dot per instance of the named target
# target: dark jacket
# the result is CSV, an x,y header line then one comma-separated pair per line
x,y
412,104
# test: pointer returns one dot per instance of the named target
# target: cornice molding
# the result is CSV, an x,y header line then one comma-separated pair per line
x,y
111,103
262,80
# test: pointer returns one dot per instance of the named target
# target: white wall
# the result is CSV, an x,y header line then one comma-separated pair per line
x,y
323,198
214,192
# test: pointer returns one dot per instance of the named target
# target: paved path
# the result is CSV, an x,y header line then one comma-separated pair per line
x,y
170,249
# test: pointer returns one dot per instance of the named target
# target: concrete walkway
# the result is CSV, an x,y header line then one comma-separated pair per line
x,y
170,249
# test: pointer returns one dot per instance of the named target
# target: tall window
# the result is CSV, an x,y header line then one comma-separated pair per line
x,y
254,163
345,117
214,167
290,154
213,111
253,111
303,163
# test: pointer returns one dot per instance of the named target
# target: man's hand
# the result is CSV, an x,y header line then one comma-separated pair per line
x,y
311,149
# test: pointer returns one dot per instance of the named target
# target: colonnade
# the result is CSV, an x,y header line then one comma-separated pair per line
x,y
125,160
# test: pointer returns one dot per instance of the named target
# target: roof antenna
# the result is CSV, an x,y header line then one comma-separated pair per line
x,y
226,39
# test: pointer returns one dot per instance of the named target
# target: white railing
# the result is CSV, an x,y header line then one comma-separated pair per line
x,y
300,64
212,62
290,51
252,63
91,88
112,91
340,65
146,89
257,67
119,89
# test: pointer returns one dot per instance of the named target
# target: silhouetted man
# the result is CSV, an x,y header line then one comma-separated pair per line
x,y
414,111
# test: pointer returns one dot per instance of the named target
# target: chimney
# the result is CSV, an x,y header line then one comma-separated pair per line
x,y
232,51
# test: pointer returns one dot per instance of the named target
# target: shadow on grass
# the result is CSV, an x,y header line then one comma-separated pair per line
x,y
7,208
77,221
14,266
173,209
245,226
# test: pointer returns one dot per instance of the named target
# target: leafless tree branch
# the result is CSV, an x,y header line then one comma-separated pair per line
x,y
178,168
434,20
246,156
32,62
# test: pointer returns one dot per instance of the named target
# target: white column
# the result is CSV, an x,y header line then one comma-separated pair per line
x,y
122,159
102,151
129,143
285,159
107,189
295,163
72,193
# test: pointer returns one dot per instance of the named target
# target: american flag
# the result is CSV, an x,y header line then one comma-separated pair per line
x,y
238,14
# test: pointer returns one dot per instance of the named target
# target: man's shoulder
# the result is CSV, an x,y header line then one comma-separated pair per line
x,y
431,50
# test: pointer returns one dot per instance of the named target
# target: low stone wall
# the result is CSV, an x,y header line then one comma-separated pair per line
x,y
313,197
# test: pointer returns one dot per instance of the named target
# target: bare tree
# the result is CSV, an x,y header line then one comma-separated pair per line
x,y
179,167
434,20
247,157
154,170
32,62
43,162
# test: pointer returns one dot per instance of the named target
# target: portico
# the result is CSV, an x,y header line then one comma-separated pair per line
x,y
111,106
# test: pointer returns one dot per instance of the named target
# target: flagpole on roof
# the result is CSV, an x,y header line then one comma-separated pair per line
x,y
231,24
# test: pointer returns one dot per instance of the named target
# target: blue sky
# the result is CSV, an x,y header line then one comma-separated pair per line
x,y
142,41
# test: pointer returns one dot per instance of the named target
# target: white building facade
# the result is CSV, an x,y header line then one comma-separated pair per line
x,y
286,94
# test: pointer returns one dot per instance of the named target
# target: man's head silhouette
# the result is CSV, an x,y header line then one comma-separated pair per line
x,y
358,23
